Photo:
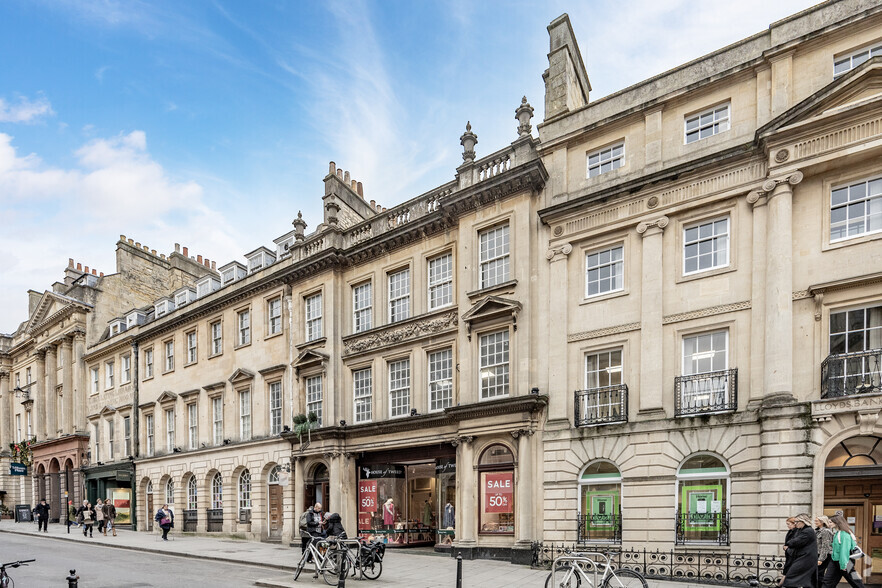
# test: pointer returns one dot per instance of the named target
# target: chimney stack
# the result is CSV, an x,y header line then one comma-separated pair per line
x,y
177,247
199,259
95,272
339,173
332,168
79,267
86,269
213,266
346,178
186,252
101,275
360,189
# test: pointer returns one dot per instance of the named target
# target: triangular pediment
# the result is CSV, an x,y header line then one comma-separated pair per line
x,y
107,410
860,87
241,375
309,358
51,303
167,397
491,307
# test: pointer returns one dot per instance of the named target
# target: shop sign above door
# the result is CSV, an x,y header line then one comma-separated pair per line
x,y
382,471
18,469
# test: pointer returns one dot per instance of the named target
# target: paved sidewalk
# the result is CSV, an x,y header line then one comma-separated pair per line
x,y
414,568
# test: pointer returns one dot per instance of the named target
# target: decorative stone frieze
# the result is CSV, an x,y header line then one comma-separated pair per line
x,y
710,311
397,333
603,332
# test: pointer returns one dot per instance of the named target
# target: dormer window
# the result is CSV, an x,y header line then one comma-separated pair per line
x,y
163,307
184,296
206,286
117,327
259,259
229,275
231,272
135,318
285,246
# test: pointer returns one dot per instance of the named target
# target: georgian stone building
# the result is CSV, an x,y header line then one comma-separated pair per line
x,y
714,249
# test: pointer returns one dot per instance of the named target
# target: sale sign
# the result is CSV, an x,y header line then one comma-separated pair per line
x,y
498,492
367,496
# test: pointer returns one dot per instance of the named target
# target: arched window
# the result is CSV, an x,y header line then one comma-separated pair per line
x,y
496,468
274,475
191,493
170,493
600,510
217,491
703,500
245,490
855,452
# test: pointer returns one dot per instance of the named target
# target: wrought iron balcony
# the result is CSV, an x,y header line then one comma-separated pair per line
x,y
703,527
600,527
846,374
706,393
601,406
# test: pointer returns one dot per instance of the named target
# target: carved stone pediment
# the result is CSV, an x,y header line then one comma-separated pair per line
x,y
107,410
52,306
241,375
489,308
167,397
404,332
309,358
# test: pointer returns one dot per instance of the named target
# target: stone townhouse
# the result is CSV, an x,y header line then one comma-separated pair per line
x,y
43,380
714,245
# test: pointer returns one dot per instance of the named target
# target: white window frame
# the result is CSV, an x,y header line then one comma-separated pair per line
x,y
95,379
217,415
867,202
245,490
612,367
243,327
440,379
192,493
714,238
399,294
855,58
111,438
126,369
606,159
275,407
362,395
274,315
489,392
97,428
611,259
245,414
315,396
108,375
707,354
169,347
170,492
149,427
719,122
216,331
127,435
399,387
193,425
170,430
192,350
440,280
312,305
217,491
148,363
494,251
362,307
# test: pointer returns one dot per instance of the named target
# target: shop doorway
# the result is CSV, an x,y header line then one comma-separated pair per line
x,y
317,488
853,485
149,503
274,490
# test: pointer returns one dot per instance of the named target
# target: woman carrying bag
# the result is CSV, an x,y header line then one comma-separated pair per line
x,y
166,520
825,544
801,566
843,561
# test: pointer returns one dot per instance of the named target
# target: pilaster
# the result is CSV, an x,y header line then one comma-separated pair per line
x,y
299,489
466,521
5,411
79,381
651,315
66,423
758,296
524,506
38,410
557,338
51,407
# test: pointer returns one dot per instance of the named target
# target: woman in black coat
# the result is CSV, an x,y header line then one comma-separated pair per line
x,y
801,565
166,519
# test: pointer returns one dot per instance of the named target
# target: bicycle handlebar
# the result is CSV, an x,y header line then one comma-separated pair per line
x,y
15,564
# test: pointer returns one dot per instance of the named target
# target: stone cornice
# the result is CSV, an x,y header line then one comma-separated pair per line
x,y
702,312
627,328
408,331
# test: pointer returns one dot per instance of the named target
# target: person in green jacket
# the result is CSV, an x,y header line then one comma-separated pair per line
x,y
842,564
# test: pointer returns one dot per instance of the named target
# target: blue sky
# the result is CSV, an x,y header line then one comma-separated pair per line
x,y
211,123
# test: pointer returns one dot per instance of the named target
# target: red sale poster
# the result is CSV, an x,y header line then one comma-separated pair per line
x,y
367,496
498,491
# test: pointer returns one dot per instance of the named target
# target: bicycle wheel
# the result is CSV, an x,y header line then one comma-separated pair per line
x,y
623,578
563,576
371,569
331,567
300,565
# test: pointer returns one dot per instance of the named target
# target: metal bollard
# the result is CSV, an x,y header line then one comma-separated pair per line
x,y
459,570
72,579
752,582
343,572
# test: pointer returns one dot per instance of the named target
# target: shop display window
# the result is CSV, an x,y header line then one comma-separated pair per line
x,y
496,468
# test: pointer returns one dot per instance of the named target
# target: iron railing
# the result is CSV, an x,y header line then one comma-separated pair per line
x,y
845,374
601,406
190,518
702,527
706,393
214,520
601,528
728,569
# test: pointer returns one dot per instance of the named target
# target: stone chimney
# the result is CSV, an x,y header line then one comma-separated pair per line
x,y
566,80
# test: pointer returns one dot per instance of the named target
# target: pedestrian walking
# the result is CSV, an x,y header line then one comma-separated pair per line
x,y
99,516
824,534
109,517
86,514
801,568
166,520
42,514
71,515
841,564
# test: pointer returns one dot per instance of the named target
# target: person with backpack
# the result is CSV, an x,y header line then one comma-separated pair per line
x,y
335,526
310,525
843,561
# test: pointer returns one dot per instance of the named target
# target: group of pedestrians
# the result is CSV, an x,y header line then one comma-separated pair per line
x,y
820,557
86,516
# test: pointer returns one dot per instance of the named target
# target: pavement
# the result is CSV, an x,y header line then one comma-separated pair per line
x,y
414,567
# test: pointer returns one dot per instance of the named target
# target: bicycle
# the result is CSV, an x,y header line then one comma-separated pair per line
x,y
368,563
5,580
570,569
318,549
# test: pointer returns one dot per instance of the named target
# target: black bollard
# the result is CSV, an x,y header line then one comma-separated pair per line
x,y
343,572
459,570
72,579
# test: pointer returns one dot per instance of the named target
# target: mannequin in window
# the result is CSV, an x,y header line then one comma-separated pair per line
x,y
427,512
449,519
389,513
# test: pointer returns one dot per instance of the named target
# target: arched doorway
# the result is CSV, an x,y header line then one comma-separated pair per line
x,y
149,502
274,500
853,484
317,488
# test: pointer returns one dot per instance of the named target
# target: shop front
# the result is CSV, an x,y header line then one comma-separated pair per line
x,y
114,482
408,497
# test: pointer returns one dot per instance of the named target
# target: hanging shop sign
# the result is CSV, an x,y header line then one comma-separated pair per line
x,y
18,469
498,491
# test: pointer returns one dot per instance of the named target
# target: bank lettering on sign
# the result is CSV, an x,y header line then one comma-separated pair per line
x,y
498,491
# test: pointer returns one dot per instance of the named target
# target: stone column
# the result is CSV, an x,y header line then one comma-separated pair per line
x,y
299,489
50,394
79,381
779,290
38,393
651,391
6,424
758,296
467,487
335,490
559,394
66,421
348,505
524,534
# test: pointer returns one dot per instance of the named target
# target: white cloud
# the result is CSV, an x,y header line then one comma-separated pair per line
x,y
25,110
116,187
